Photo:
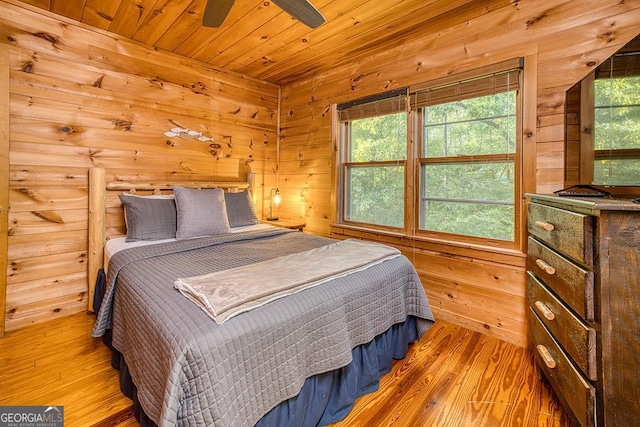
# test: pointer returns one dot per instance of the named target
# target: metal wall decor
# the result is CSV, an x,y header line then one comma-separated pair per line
x,y
184,133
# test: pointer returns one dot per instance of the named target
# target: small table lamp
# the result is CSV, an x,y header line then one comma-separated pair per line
x,y
275,200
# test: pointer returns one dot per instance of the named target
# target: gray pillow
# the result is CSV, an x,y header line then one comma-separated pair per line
x,y
240,209
149,218
200,212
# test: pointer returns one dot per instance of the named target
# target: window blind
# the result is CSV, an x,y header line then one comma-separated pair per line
x,y
497,78
620,65
376,105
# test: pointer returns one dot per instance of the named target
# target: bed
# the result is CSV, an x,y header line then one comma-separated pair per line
x,y
298,358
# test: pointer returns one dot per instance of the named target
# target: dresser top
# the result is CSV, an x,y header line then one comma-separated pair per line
x,y
588,205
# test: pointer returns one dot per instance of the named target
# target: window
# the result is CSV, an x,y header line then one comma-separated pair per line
x,y
459,181
616,140
467,156
374,139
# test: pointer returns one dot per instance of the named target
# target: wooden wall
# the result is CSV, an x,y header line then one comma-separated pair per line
x,y
573,130
80,97
564,40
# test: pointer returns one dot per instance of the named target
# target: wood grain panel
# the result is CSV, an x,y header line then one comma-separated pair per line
x,y
475,297
24,246
47,177
260,23
451,14
485,275
458,376
271,35
81,97
45,310
67,366
44,199
4,175
100,13
35,268
471,386
347,19
19,294
182,27
493,324
561,37
123,92
258,39
70,8
44,4
202,37
143,110
130,16
47,221
159,20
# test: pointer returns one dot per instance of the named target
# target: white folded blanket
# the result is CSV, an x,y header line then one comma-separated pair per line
x,y
227,293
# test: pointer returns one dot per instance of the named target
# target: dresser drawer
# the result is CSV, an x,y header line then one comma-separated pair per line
x,y
568,232
578,339
572,283
576,392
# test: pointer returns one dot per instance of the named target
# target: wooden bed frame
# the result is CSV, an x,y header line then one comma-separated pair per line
x,y
106,216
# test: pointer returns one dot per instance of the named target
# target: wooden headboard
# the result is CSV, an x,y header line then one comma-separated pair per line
x,y
106,216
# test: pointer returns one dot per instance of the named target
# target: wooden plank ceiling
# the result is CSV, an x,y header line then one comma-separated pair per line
x,y
258,39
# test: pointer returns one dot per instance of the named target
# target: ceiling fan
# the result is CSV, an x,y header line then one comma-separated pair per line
x,y
302,10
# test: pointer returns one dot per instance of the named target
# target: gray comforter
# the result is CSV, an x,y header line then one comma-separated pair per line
x,y
191,371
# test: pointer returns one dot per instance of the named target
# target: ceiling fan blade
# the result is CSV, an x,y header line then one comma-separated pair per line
x,y
303,11
215,12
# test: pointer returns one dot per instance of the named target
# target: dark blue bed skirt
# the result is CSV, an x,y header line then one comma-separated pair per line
x,y
324,398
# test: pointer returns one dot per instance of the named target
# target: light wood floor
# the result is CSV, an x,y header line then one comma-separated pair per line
x,y
451,377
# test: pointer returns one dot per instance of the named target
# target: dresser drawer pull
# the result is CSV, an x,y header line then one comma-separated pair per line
x,y
545,266
544,309
546,356
544,225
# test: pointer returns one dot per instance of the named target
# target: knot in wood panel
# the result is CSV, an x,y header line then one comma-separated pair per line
x,y
27,67
67,129
197,87
105,16
266,61
49,217
32,194
98,82
48,37
156,82
608,36
531,22
355,81
122,124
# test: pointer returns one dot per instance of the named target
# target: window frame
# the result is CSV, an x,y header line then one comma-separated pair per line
x,y
412,167
514,158
387,100
588,153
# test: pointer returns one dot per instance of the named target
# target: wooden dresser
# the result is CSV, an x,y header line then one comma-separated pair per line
x,y
583,289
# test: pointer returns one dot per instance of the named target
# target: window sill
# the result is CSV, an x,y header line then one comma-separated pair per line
x,y
444,246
